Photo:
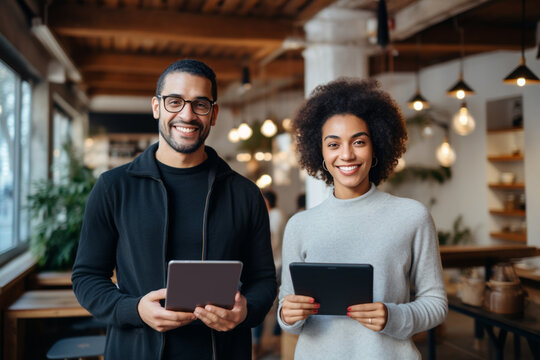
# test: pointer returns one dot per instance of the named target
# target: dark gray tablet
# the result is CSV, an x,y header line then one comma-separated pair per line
x,y
198,283
334,286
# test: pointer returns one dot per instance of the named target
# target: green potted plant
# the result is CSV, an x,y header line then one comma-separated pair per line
x,y
57,210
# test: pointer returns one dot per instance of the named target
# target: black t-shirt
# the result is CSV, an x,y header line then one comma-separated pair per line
x,y
186,192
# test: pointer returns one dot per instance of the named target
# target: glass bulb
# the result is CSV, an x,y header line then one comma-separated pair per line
x,y
400,165
445,154
463,122
233,135
268,128
418,105
427,131
460,94
521,81
264,181
245,132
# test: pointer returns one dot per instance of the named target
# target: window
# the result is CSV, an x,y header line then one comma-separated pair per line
x,y
62,134
15,106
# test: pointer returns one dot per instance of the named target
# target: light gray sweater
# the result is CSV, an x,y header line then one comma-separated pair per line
x,y
395,235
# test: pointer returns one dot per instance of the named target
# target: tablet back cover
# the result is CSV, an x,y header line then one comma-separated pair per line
x,y
199,283
334,286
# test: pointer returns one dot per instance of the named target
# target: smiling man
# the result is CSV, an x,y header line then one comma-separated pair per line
x,y
177,201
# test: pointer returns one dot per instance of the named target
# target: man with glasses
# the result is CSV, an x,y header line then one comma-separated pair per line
x,y
178,200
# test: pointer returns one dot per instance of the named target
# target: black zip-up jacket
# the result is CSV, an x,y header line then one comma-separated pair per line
x,y
125,227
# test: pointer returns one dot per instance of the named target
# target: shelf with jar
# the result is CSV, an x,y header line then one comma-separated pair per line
x,y
505,170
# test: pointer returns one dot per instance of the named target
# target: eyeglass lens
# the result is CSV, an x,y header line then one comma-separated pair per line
x,y
176,104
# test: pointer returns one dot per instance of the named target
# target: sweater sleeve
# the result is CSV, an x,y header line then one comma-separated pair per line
x,y
95,263
429,306
291,252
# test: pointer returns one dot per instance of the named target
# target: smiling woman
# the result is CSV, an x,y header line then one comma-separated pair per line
x,y
351,134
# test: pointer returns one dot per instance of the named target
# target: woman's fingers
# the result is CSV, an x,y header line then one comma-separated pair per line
x,y
298,307
373,316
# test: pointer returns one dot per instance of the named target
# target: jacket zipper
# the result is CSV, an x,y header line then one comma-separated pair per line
x,y
203,256
166,242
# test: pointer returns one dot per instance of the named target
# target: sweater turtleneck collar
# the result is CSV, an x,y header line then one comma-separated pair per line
x,y
364,197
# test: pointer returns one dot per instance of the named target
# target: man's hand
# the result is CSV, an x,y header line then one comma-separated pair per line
x,y
222,319
157,317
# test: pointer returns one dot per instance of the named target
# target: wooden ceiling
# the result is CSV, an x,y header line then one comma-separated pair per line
x,y
121,46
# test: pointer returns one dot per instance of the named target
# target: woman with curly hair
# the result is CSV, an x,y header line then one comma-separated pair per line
x,y
350,134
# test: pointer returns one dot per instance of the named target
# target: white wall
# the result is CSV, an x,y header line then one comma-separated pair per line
x,y
466,192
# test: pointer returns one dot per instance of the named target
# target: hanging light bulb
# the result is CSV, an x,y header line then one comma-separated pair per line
x,y
246,78
268,128
244,131
445,154
427,130
400,165
233,135
418,102
463,122
287,124
522,75
460,90
264,181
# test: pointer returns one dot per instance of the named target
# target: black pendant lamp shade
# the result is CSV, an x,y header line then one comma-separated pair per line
x,y
460,86
522,75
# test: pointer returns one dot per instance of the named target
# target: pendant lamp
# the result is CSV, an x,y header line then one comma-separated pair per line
x,y
460,90
522,75
417,101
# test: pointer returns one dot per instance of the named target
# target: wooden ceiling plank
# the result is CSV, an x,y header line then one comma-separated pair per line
x,y
210,6
77,20
229,6
425,13
312,9
247,7
292,7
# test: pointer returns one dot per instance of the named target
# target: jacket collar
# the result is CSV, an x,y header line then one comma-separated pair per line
x,y
145,164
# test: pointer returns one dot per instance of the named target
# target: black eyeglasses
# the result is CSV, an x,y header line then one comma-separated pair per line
x,y
175,104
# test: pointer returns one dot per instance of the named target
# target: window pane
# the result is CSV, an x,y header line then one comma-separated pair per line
x,y
24,218
7,156
62,134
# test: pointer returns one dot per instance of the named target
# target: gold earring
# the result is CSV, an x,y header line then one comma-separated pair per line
x,y
324,166
376,162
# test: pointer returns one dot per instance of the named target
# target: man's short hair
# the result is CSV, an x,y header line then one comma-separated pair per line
x,y
190,66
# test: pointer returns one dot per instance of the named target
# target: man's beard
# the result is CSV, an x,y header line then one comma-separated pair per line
x,y
183,149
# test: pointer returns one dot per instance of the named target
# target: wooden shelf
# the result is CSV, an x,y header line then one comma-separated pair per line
x,y
518,213
506,158
500,186
505,130
510,236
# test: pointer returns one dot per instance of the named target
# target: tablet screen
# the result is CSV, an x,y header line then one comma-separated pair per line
x,y
198,283
335,286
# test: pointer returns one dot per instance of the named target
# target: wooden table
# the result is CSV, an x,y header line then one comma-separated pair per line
x,y
476,255
456,256
36,304
526,325
44,279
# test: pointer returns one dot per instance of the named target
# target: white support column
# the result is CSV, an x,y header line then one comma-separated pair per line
x,y
337,46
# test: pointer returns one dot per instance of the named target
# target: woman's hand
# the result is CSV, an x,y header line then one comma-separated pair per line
x,y
297,307
373,315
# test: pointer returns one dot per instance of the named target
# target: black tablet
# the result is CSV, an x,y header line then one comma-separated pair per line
x,y
334,286
198,283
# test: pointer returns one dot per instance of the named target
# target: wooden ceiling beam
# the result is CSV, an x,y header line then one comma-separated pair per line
x,y
155,64
79,20
452,48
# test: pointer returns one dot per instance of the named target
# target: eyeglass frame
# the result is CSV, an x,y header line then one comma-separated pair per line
x,y
164,97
